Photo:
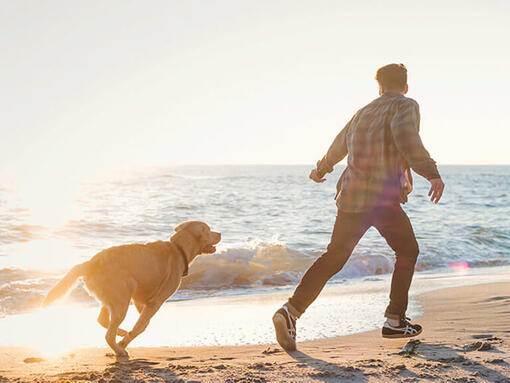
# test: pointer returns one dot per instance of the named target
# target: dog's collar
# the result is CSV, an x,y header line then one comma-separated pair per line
x,y
182,253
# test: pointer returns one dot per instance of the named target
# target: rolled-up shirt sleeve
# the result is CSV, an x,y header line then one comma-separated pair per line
x,y
336,153
405,127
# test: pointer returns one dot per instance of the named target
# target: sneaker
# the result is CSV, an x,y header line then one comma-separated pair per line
x,y
404,330
285,328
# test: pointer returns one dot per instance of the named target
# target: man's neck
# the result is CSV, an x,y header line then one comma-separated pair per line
x,y
393,92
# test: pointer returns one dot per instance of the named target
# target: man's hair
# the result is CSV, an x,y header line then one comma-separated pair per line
x,y
392,77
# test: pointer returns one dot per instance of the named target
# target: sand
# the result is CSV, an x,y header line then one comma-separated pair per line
x,y
466,338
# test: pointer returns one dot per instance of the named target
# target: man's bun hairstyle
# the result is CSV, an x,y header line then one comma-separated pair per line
x,y
392,77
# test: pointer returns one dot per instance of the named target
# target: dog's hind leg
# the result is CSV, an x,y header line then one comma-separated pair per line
x,y
141,324
117,315
104,320
139,306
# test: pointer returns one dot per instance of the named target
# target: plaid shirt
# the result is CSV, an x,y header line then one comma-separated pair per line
x,y
381,143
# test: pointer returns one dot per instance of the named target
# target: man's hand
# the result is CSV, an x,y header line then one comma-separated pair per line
x,y
314,176
436,189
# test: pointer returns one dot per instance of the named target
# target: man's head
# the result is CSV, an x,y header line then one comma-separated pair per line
x,y
392,78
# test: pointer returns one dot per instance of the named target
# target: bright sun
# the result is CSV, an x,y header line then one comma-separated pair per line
x,y
49,198
53,331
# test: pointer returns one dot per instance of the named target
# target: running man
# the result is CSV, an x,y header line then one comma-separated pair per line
x,y
381,143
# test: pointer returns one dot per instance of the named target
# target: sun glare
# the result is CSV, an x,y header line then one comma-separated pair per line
x,y
53,331
49,198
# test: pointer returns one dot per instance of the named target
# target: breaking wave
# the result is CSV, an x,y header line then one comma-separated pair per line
x,y
260,266
270,265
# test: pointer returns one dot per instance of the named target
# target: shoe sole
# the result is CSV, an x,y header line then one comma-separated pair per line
x,y
282,335
396,336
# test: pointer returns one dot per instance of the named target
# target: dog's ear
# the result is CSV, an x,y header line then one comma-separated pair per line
x,y
181,226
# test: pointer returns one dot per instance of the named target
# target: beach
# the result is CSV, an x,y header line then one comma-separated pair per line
x,y
466,338
217,327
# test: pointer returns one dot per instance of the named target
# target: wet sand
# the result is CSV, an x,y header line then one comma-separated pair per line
x,y
466,338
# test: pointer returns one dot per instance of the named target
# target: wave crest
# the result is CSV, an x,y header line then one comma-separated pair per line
x,y
270,265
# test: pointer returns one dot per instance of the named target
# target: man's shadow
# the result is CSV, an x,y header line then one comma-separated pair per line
x,y
429,353
460,358
326,371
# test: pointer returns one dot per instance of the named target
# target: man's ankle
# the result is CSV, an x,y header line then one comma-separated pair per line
x,y
292,311
393,322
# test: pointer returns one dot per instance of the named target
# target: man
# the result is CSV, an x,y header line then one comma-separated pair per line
x,y
381,143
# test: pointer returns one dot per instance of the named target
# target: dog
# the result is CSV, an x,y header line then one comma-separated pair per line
x,y
148,274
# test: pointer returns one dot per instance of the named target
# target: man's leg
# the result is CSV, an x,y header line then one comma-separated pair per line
x,y
348,229
394,225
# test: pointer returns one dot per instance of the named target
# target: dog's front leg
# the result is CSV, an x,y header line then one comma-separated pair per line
x,y
141,324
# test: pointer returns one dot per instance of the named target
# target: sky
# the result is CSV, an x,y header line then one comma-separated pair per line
x,y
94,84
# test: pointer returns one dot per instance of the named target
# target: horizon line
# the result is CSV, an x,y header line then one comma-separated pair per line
x,y
284,164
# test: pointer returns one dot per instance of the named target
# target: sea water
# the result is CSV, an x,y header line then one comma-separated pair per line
x,y
274,222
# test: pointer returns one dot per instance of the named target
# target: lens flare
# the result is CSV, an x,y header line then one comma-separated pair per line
x,y
459,267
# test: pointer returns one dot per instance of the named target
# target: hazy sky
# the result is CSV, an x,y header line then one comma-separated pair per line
x,y
106,83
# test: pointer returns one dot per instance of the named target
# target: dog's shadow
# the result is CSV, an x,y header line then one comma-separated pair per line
x,y
125,369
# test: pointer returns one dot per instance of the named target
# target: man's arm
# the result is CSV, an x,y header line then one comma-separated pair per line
x,y
336,153
405,126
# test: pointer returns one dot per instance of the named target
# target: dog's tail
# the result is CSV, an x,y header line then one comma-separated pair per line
x,y
65,284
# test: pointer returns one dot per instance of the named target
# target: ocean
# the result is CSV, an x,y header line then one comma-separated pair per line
x,y
274,222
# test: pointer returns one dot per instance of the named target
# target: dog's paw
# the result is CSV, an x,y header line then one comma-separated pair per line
x,y
121,353
123,343
121,332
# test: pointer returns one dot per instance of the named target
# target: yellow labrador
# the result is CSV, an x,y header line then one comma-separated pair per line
x,y
147,274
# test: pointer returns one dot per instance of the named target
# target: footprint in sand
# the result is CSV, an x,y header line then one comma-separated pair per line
x,y
481,336
34,360
179,358
269,351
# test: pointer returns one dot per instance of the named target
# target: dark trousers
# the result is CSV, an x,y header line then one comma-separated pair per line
x,y
394,225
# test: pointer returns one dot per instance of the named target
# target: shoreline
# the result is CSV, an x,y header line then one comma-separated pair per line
x,y
341,309
454,320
